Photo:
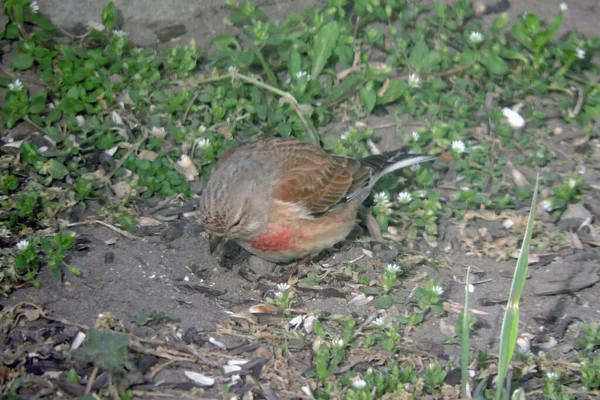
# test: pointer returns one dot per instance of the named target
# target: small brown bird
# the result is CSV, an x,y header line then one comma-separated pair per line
x,y
284,199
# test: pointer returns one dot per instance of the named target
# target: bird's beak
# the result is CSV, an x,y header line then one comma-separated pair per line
x,y
214,242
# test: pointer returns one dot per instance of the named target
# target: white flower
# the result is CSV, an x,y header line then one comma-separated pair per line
x,y
301,74
345,134
476,37
563,7
572,183
381,198
404,197
359,383
34,6
203,143
459,146
552,376
231,69
118,32
378,322
415,136
526,353
514,118
279,294
15,86
339,343
580,53
415,167
22,245
414,81
283,287
202,129
437,289
393,268
547,205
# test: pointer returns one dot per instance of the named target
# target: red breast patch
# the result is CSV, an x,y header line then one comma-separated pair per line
x,y
275,239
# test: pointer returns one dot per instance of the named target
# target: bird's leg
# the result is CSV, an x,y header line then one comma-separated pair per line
x,y
291,272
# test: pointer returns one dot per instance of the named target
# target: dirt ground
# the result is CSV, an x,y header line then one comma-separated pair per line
x,y
169,272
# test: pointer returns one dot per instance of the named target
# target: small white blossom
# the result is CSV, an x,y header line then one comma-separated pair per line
x,y
203,143
415,136
231,69
283,287
514,118
459,146
34,6
437,289
540,154
414,80
381,198
415,167
526,353
547,205
301,74
580,53
118,32
393,268
202,129
339,343
552,376
404,197
22,245
563,7
378,322
476,37
15,86
572,183
359,383
278,295
345,134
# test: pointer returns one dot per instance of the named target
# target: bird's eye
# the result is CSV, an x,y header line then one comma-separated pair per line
x,y
237,223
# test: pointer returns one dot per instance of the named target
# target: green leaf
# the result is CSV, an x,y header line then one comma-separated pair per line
x,y
294,62
29,152
421,58
57,170
348,85
53,133
493,62
54,115
547,34
110,16
270,74
518,33
107,347
143,319
394,91
42,22
324,44
37,103
22,61
385,302
368,97
73,93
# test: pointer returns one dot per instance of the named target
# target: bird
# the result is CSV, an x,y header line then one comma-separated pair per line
x,y
284,199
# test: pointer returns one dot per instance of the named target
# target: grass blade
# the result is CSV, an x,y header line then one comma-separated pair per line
x,y
465,344
510,325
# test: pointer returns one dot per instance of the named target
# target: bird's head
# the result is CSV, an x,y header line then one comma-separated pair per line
x,y
235,202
